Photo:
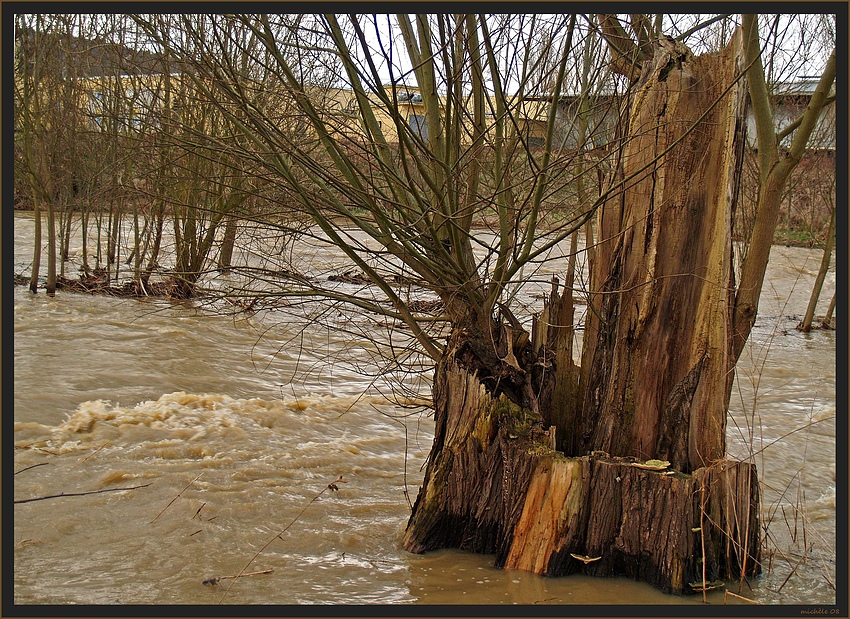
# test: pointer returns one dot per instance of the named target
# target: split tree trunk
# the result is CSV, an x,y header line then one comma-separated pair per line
x,y
654,382
656,358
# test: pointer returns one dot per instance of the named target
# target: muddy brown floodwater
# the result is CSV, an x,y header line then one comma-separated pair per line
x,y
246,419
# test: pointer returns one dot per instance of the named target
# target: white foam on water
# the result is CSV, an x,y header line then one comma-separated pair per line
x,y
310,433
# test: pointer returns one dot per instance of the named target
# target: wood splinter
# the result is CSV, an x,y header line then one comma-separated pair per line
x,y
584,558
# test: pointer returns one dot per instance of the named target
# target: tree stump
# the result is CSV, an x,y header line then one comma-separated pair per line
x,y
496,486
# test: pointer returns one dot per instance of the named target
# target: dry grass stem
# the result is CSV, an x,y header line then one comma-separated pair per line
x,y
95,451
740,597
330,486
26,542
793,571
176,497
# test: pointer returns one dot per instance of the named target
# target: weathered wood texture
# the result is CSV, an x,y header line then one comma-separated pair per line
x,y
495,486
649,525
477,471
556,330
656,363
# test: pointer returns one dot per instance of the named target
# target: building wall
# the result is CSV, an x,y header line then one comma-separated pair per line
x,y
787,111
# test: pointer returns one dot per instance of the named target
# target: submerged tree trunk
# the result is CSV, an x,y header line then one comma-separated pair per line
x,y
50,284
84,231
66,218
826,323
477,472
36,257
774,170
226,253
654,382
159,220
806,324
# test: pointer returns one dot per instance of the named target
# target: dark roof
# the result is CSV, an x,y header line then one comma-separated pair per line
x,y
803,86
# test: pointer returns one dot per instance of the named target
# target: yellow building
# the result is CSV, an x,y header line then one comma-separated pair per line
x,y
126,90
342,112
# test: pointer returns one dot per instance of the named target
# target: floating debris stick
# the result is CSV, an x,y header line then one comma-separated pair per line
x,y
707,586
32,467
64,494
652,465
217,580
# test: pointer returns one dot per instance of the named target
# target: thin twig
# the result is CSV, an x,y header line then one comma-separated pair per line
x,y
175,498
330,486
740,597
406,491
64,494
793,571
32,467
95,451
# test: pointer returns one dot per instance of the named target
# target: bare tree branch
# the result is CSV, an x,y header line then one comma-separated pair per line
x,y
66,494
